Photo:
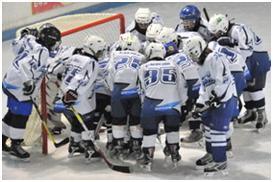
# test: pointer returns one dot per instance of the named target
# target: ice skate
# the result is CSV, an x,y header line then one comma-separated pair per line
x,y
117,150
216,168
176,157
145,161
90,152
261,120
204,161
135,148
75,148
249,116
17,152
195,136
5,147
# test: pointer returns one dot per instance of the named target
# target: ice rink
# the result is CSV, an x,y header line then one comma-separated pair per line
x,y
252,151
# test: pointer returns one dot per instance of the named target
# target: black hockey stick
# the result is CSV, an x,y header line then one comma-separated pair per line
x,y
51,137
206,13
120,168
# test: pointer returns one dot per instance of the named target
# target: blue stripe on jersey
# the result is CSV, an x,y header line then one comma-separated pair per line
x,y
128,92
9,86
167,106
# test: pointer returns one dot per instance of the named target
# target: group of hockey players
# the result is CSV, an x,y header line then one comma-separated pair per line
x,y
153,74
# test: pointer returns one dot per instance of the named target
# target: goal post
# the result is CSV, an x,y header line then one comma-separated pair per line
x,y
74,29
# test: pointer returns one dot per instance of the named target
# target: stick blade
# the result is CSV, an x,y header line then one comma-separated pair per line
x,y
123,169
61,143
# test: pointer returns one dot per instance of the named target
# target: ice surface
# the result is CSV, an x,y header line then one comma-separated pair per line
x,y
252,151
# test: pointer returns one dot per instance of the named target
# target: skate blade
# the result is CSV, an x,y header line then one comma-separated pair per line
x,y
216,173
146,168
230,154
200,167
73,155
174,165
19,159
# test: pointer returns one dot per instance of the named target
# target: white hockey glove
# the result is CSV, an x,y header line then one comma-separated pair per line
x,y
29,87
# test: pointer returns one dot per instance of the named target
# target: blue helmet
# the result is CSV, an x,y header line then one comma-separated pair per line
x,y
190,12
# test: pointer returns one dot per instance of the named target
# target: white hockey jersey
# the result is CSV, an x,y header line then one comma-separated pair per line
x,y
235,60
247,40
101,85
80,75
123,68
156,18
56,64
29,64
186,67
215,76
162,80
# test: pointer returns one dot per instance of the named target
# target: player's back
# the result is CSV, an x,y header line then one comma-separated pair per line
x,y
80,73
235,60
124,66
247,40
102,72
160,81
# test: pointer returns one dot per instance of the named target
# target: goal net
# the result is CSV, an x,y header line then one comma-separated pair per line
x,y
74,29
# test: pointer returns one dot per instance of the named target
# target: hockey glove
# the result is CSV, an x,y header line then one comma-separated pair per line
x,y
59,107
227,41
29,87
198,110
70,97
29,31
214,101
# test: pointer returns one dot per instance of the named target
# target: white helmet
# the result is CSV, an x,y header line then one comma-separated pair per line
x,y
153,31
94,45
218,23
194,47
155,50
167,35
128,41
143,17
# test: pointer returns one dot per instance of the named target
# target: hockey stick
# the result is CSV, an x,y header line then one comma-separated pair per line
x,y
124,169
98,128
206,13
51,137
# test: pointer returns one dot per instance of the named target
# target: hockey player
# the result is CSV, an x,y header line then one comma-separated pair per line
x,y
192,24
103,100
191,21
152,32
143,18
77,88
217,99
240,73
189,71
56,67
125,102
249,45
23,81
163,93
